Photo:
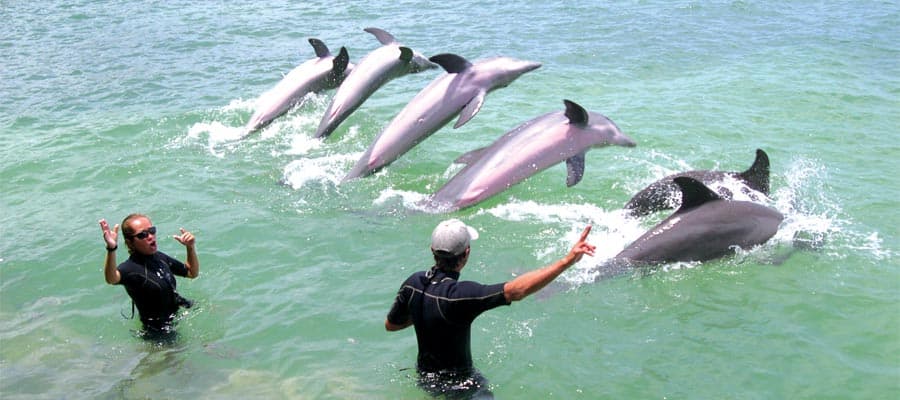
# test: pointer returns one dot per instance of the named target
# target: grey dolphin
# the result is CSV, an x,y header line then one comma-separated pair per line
x,y
315,75
529,148
663,194
461,90
705,227
380,66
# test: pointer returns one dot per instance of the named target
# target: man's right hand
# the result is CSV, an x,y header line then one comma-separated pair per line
x,y
110,236
582,247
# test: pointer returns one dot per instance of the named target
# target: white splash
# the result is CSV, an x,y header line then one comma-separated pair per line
x,y
328,169
410,199
223,135
220,139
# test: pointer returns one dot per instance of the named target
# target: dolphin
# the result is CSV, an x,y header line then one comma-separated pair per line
x,y
529,148
460,91
315,75
383,64
661,195
705,226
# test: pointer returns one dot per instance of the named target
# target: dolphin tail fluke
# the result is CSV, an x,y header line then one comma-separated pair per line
x,y
320,47
471,108
575,169
339,66
757,176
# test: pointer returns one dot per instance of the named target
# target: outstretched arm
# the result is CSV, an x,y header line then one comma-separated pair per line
x,y
111,237
530,282
192,263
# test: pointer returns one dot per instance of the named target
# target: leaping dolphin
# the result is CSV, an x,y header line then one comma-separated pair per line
x,y
315,75
704,227
662,194
461,90
529,148
383,64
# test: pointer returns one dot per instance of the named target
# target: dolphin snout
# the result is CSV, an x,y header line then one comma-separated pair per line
x,y
530,66
623,140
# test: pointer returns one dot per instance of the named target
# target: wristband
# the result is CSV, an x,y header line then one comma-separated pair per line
x,y
112,249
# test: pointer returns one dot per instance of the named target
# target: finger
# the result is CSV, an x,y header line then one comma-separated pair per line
x,y
116,229
584,234
182,231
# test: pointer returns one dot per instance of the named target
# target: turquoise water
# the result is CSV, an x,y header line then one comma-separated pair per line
x,y
127,107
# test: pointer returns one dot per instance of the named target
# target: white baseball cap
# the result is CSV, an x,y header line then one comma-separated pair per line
x,y
451,237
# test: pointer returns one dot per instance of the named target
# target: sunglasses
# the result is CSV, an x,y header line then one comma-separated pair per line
x,y
144,233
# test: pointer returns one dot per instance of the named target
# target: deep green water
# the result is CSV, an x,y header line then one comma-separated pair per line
x,y
112,108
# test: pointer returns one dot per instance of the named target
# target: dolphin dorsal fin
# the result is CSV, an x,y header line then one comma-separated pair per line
x,y
406,54
757,176
470,109
320,47
693,193
451,63
574,169
382,35
576,114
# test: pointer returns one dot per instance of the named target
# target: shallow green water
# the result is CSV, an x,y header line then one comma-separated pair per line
x,y
109,109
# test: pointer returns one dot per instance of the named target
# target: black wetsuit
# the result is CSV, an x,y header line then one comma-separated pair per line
x,y
442,310
150,282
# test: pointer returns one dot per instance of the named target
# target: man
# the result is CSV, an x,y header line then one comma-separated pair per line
x,y
442,308
148,274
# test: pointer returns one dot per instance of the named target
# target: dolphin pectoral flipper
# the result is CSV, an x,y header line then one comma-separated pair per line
x,y
470,109
320,48
693,193
575,169
470,157
406,54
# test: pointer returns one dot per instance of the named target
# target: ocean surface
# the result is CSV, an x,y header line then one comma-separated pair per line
x,y
109,108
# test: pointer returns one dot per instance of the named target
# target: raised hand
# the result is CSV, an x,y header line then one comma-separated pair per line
x,y
582,247
186,238
110,236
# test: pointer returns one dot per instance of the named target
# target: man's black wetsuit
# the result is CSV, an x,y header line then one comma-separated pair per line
x,y
150,282
442,310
